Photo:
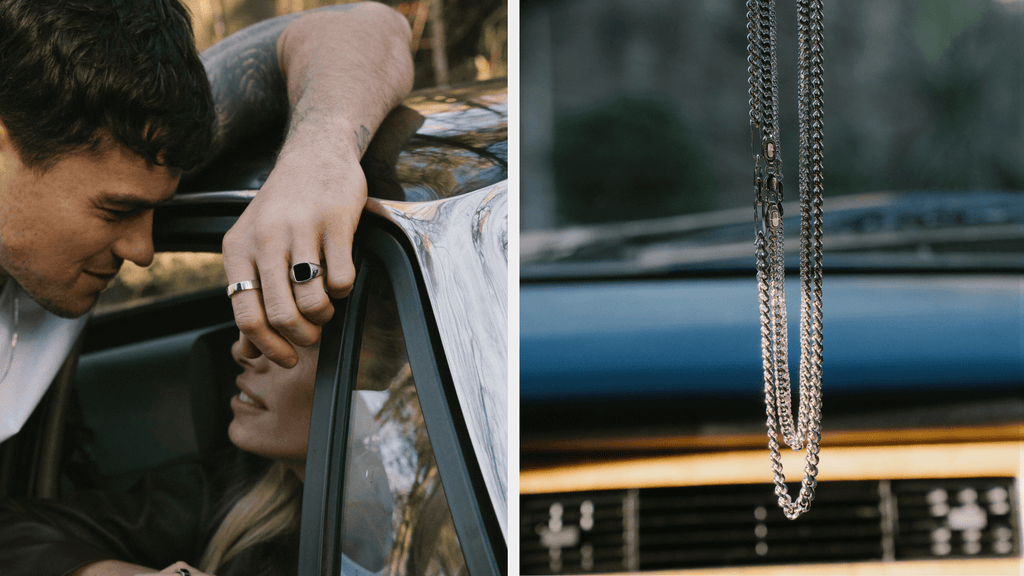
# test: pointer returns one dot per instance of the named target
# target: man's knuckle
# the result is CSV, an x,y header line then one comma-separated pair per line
x,y
232,239
239,240
312,303
282,319
248,322
342,281
304,339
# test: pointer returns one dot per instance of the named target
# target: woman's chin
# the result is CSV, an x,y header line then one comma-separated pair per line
x,y
248,439
255,442
240,436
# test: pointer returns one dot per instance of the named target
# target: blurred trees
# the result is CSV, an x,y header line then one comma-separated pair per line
x,y
627,158
170,274
475,31
918,95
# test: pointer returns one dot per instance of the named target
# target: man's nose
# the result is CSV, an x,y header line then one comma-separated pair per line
x,y
136,244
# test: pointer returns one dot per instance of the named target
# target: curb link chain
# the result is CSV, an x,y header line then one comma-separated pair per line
x,y
769,239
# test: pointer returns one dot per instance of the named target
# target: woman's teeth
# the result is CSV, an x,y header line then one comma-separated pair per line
x,y
248,399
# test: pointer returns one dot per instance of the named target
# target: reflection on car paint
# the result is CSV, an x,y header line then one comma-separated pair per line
x,y
442,143
461,244
462,145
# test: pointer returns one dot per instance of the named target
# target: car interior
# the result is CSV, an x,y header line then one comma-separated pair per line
x,y
149,383
645,436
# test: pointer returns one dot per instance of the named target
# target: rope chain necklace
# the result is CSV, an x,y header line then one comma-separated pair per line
x,y
770,253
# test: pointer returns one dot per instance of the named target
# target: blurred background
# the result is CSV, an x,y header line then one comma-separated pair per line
x,y
454,41
640,363
635,109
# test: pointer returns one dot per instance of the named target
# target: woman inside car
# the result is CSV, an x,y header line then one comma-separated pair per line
x,y
194,519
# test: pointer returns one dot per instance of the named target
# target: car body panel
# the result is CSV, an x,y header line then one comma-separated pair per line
x,y
440,143
461,245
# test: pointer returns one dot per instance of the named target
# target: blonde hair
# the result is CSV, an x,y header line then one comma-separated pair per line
x,y
270,508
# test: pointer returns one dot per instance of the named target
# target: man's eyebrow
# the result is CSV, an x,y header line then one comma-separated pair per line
x,y
131,202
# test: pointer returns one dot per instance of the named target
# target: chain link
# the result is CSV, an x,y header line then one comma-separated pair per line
x,y
769,239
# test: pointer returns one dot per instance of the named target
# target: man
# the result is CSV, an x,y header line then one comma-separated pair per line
x,y
104,104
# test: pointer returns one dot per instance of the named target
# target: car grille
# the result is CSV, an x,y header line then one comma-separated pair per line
x,y
704,526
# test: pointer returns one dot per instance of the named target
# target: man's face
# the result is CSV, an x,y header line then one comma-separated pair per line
x,y
64,233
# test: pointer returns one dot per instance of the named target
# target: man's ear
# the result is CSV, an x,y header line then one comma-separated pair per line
x,y
9,157
6,146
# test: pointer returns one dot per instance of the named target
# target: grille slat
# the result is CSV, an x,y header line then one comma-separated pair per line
x,y
666,528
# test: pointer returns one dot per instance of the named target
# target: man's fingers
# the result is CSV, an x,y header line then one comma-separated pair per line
x,y
279,301
258,335
184,568
247,348
279,229
310,295
341,273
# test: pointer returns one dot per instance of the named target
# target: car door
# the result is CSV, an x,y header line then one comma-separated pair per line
x,y
388,438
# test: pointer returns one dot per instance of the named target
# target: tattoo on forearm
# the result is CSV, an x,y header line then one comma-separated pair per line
x,y
362,138
249,90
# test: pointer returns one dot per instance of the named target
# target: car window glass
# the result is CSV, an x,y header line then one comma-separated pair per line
x,y
170,274
637,146
397,519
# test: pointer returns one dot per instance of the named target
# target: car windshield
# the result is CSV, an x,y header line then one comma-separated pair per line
x,y
636,138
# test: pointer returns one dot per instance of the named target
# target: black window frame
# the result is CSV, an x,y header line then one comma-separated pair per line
x,y
381,245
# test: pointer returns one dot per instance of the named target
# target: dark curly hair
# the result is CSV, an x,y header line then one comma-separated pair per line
x,y
75,72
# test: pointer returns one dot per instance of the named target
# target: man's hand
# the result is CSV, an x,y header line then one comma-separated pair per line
x,y
344,69
111,568
174,569
306,212
118,568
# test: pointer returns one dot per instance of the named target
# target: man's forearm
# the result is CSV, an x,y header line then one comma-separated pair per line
x,y
339,74
344,72
344,64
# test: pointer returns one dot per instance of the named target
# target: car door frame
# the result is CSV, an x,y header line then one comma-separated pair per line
x,y
476,525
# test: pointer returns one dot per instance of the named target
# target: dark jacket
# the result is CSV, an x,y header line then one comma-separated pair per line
x,y
170,515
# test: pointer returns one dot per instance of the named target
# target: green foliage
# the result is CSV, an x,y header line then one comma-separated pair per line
x,y
918,95
938,23
628,159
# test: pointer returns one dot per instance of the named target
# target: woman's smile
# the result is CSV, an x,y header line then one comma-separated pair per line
x,y
273,405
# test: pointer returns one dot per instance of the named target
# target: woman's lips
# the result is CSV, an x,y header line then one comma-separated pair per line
x,y
248,397
249,400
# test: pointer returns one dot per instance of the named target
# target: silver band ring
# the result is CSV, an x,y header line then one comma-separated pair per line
x,y
242,286
183,572
305,271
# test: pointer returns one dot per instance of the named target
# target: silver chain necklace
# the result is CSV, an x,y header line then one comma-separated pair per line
x,y
771,266
5,367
